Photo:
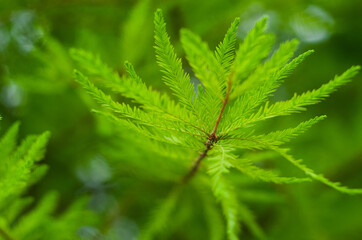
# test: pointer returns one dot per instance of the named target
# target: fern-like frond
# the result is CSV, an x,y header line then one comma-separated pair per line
x,y
155,101
157,132
133,87
18,171
247,167
219,164
19,165
225,51
8,142
93,65
174,75
224,194
290,67
256,47
124,110
208,106
274,138
219,161
204,64
264,79
216,120
319,177
133,117
261,83
246,103
30,225
297,103
40,223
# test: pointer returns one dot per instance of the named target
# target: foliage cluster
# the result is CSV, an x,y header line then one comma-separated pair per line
x,y
217,119
19,217
200,153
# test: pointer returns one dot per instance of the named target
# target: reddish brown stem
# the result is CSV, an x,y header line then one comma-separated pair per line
x,y
197,162
212,138
226,100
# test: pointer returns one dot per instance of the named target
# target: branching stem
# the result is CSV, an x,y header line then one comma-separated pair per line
x,y
197,162
212,138
225,101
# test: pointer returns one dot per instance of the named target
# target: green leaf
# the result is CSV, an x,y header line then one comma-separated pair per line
x,y
224,194
319,177
256,47
225,51
296,104
247,167
204,64
271,139
8,142
174,75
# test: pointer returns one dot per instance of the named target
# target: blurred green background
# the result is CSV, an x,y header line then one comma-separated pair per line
x,y
37,88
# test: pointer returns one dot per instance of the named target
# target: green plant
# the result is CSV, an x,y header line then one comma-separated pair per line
x,y
19,217
215,119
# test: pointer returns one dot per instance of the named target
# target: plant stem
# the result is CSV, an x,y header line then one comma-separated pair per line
x,y
226,100
197,162
212,138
